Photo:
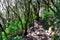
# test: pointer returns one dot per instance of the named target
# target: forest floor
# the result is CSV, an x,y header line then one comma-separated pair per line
x,y
37,32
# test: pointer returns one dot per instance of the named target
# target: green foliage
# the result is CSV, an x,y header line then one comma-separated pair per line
x,y
55,37
14,26
30,8
23,21
46,15
48,18
1,37
18,38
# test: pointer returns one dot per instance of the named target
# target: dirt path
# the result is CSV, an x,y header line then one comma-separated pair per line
x,y
37,32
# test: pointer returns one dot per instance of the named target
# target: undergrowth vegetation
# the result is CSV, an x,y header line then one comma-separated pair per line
x,y
20,16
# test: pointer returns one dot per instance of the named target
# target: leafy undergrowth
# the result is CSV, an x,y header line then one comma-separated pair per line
x,y
13,29
56,37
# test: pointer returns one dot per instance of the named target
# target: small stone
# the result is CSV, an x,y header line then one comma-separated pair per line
x,y
40,26
37,33
36,37
29,34
33,34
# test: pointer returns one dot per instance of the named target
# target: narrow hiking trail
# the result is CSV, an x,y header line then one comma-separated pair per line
x,y
37,32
